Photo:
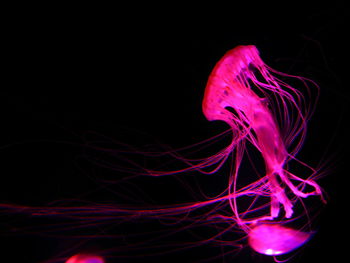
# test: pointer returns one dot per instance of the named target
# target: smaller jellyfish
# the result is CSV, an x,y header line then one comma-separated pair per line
x,y
273,239
85,258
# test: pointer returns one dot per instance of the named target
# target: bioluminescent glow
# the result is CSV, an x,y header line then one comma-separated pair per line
x,y
275,239
81,258
264,114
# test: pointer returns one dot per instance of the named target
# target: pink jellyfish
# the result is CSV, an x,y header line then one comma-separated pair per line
x,y
232,96
85,258
262,111
275,239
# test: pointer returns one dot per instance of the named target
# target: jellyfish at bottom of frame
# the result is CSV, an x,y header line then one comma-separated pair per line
x,y
84,258
273,240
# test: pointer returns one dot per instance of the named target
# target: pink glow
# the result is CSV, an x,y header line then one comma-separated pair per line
x,y
275,240
81,258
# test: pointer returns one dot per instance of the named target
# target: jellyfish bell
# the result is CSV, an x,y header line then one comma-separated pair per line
x,y
222,89
85,258
274,239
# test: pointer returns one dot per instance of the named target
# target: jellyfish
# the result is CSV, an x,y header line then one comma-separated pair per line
x,y
243,92
85,258
262,112
275,240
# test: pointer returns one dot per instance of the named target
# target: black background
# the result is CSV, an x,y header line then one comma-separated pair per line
x,y
71,70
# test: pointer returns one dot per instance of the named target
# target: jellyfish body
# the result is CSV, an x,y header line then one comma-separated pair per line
x,y
84,258
231,96
275,239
